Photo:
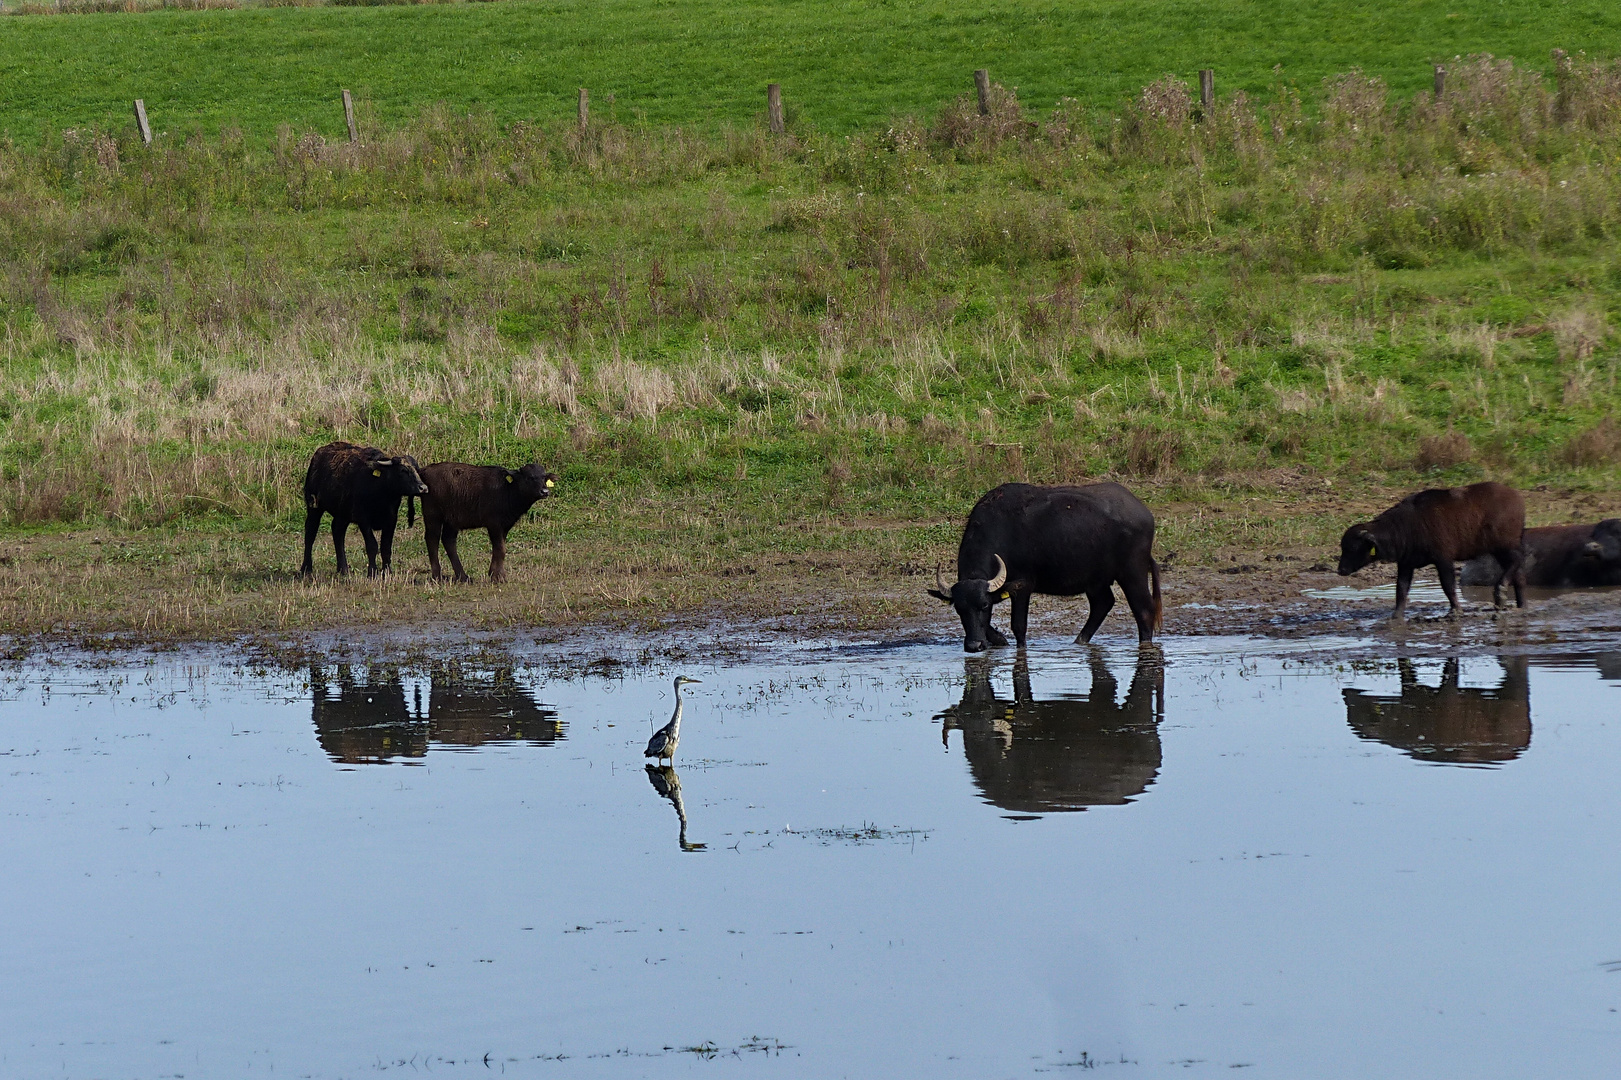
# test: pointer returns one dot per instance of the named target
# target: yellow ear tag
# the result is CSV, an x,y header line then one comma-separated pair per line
x,y
509,479
377,472
551,483
1373,551
1002,595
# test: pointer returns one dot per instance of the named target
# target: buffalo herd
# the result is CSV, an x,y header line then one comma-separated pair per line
x,y
1020,539
364,485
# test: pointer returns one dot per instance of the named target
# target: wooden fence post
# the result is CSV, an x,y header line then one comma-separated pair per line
x,y
585,107
1207,87
349,117
982,84
140,121
1440,81
773,109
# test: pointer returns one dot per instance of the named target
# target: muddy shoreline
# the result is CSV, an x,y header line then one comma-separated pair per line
x,y
1273,609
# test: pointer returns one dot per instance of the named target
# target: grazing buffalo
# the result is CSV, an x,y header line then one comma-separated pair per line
x,y
1443,527
359,484
1058,541
1560,557
1448,724
478,497
1065,753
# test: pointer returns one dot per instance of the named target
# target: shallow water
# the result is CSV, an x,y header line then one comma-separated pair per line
x,y
868,862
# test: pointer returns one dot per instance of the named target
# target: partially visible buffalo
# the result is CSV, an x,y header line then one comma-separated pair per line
x,y
1058,541
1443,527
1561,557
363,485
478,497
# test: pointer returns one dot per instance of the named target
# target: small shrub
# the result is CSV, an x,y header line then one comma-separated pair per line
x,y
1443,451
1598,445
1153,452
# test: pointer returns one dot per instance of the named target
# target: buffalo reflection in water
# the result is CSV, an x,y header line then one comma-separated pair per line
x,y
1065,753
364,715
1448,724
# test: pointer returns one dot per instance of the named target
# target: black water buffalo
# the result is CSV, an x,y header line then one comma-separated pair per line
x,y
1058,541
1560,557
363,485
1443,527
478,497
1065,753
1448,724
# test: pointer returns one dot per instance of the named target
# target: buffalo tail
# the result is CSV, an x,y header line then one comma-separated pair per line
x,y
1159,605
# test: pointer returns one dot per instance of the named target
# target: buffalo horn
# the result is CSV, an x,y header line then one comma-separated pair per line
x,y
1001,575
940,581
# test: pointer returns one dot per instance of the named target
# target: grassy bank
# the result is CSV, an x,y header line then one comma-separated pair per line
x,y
844,65
730,344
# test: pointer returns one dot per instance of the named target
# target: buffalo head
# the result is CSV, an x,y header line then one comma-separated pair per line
x,y
973,599
397,475
532,482
1357,549
1605,546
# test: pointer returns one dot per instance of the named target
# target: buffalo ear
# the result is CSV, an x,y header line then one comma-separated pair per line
x,y
944,598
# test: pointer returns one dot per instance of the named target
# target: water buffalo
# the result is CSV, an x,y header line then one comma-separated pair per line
x,y
1443,527
478,497
1448,724
1058,541
1065,753
363,485
1560,557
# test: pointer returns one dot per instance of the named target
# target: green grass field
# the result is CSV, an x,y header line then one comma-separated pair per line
x,y
734,345
845,66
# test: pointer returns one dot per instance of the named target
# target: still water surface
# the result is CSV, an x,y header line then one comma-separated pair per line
x,y
1216,860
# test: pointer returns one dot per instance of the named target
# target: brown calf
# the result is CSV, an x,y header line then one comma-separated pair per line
x,y
478,497
1442,527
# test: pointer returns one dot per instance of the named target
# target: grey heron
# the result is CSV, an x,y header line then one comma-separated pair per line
x,y
664,741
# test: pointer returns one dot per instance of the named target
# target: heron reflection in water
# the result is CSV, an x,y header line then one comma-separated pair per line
x,y
363,713
1065,753
1448,724
668,785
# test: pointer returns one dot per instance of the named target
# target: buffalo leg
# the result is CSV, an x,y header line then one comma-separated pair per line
x,y
430,529
1448,573
340,527
1020,617
1513,562
388,547
1099,603
312,529
370,538
1141,602
498,555
1404,582
453,554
